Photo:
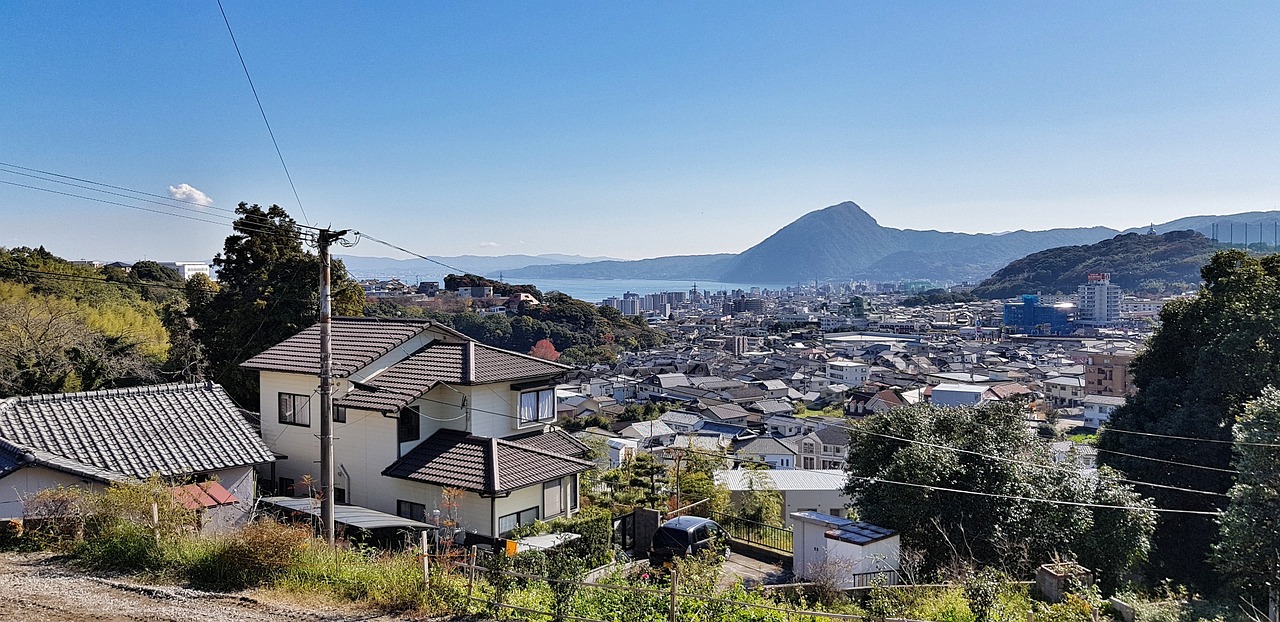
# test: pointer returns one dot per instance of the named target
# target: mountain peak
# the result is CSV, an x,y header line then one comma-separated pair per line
x,y
848,211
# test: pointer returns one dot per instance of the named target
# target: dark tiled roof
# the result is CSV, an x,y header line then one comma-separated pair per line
x,y
12,457
833,435
764,445
402,383
489,466
357,342
497,365
556,441
171,429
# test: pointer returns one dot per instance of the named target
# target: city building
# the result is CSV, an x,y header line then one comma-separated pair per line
x,y
188,269
1032,317
1098,301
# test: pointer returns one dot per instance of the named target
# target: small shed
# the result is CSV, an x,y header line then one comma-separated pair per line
x,y
862,552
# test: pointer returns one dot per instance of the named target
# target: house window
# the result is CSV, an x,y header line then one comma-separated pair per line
x,y
339,495
286,487
295,409
808,462
573,493
408,427
411,510
537,406
340,414
808,447
511,521
552,498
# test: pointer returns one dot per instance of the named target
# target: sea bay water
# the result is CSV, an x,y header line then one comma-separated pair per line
x,y
595,290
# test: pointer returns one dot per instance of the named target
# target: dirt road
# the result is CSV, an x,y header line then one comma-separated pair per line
x,y
34,587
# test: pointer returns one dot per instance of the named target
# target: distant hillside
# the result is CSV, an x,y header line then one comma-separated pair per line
x,y
843,241
1135,261
1231,228
386,267
705,267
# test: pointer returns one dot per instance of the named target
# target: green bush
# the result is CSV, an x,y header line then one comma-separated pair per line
x,y
392,582
122,547
253,555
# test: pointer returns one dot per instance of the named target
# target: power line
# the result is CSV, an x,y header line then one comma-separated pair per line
x,y
263,111
144,209
874,480
119,194
1059,502
1191,438
1182,464
361,235
1022,462
245,223
122,188
848,428
90,279
98,183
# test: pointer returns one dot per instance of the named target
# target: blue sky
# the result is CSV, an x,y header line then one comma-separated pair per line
x,y
635,129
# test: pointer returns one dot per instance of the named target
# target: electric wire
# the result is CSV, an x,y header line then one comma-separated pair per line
x,y
848,428
1036,499
121,188
119,194
262,110
1162,460
360,235
98,183
1192,438
875,479
108,202
247,226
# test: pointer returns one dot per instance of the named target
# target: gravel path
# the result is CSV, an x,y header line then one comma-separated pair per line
x,y
35,587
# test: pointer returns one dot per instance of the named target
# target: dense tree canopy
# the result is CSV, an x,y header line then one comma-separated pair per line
x,y
268,291
67,327
1211,355
581,332
987,450
1136,262
1249,551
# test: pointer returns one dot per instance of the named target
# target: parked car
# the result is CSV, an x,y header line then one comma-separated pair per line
x,y
687,535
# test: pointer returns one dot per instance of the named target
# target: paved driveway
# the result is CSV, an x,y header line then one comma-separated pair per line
x,y
751,572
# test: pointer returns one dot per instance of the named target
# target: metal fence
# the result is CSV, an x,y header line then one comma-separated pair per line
x,y
759,534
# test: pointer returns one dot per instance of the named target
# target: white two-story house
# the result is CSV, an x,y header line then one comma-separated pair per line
x,y
419,407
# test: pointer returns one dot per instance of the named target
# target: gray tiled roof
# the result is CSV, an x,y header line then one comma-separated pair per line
x,y
357,342
171,429
453,363
556,441
489,466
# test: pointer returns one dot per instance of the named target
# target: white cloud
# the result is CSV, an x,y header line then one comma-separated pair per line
x,y
488,245
184,192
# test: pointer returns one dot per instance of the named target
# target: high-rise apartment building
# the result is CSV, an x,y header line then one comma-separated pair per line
x,y
1098,301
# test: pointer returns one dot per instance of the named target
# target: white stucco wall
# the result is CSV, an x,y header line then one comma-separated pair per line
x,y
366,444
16,485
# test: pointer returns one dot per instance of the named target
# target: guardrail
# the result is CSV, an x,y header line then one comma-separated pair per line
x,y
759,534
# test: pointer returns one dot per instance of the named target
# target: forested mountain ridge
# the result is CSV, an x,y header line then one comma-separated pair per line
x,y
1136,262
839,242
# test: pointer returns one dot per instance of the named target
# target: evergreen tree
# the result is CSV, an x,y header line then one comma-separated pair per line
x,y
1249,550
1212,355
987,450
268,291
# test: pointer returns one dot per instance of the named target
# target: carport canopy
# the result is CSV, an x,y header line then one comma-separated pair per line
x,y
349,515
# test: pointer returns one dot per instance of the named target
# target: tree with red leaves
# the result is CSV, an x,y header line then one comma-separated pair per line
x,y
544,349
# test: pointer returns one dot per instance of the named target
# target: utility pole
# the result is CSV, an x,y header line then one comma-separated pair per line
x,y
324,239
